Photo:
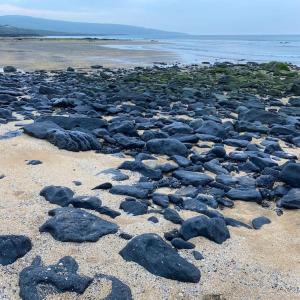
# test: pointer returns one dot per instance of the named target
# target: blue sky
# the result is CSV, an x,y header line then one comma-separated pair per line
x,y
191,16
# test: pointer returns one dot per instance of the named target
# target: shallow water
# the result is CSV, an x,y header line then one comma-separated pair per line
x,y
231,48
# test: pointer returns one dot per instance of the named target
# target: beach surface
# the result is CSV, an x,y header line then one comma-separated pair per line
x,y
252,264
30,54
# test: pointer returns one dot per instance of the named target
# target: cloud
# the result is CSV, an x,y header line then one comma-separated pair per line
x,y
11,9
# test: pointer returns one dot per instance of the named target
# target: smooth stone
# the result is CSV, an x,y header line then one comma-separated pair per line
x,y
197,255
257,223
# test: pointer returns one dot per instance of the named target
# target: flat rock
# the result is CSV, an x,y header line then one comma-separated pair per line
x,y
76,225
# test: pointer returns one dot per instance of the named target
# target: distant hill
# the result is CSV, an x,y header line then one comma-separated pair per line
x,y
11,31
77,28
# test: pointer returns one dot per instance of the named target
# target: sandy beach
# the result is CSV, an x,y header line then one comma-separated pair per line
x,y
255,264
250,264
31,54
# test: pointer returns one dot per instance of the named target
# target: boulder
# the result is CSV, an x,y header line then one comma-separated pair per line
x,y
212,228
156,256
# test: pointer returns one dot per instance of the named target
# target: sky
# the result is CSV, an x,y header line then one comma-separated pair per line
x,y
190,16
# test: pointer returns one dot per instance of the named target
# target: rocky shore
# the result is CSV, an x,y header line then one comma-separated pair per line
x,y
167,182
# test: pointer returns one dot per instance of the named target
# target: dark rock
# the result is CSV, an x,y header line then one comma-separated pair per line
x,y
173,216
131,191
34,162
9,69
170,235
142,169
194,205
244,194
76,225
212,228
57,195
87,202
155,255
291,200
35,280
179,243
181,161
290,174
153,220
235,223
13,247
72,140
212,128
167,146
134,207
263,163
263,116
257,223
103,186
161,200
119,290
192,178
197,255
128,142
125,236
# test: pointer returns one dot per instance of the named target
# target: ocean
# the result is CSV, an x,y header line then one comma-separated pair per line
x,y
237,49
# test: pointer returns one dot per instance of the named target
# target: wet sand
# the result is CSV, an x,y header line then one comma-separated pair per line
x,y
31,54
252,264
